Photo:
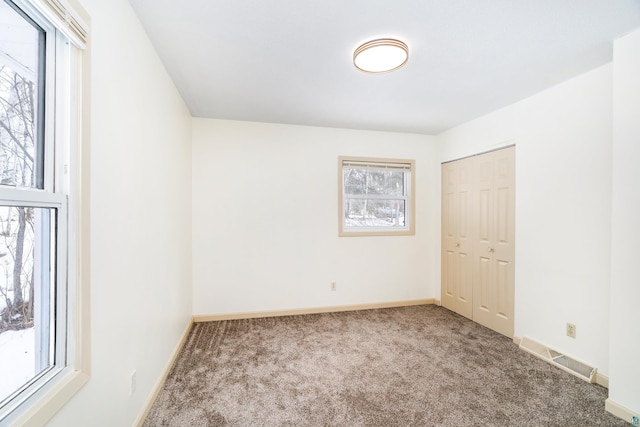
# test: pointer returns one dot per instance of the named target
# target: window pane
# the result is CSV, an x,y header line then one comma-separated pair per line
x,y
372,181
374,213
26,297
21,89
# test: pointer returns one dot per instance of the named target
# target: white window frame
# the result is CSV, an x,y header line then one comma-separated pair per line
x,y
409,197
64,118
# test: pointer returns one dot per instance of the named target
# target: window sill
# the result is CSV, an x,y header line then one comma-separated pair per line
x,y
49,400
369,233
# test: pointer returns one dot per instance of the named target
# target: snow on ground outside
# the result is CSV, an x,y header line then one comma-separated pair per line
x,y
17,360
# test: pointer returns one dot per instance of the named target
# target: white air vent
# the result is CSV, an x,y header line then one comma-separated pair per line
x,y
564,362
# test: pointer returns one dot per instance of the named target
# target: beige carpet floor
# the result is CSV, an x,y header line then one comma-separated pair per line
x,y
410,366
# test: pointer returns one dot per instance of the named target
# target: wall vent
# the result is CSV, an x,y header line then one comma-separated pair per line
x,y
562,361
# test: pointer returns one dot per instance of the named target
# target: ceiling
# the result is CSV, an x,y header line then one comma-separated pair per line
x,y
290,61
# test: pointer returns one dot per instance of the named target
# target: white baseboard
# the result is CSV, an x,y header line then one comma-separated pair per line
x,y
312,310
620,411
517,340
160,383
602,380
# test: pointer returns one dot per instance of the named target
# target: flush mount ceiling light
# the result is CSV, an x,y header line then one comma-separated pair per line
x,y
381,55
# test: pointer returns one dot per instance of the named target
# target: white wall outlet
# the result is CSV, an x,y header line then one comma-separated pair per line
x,y
571,330
333,286
132,383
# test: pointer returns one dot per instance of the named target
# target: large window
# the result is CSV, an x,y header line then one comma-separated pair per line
x,y
376,196
37,291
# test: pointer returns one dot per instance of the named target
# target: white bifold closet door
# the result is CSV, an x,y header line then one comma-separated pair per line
x,y
457,236
478,231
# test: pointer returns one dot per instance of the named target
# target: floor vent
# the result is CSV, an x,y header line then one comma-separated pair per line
x,y
575,367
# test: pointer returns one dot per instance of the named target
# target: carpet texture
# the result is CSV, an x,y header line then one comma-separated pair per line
x,y
410,366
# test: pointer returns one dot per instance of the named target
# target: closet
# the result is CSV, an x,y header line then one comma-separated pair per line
x,y
478,231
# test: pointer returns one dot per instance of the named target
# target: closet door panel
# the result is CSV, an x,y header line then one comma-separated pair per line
x,y
482,264
465,280
503,216
449,222
483,280
493,244
449,271
464,241
502,290
504,241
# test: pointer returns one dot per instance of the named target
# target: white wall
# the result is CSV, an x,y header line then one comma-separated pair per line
x,y
140,219
563,199
265,220
264,217
625,265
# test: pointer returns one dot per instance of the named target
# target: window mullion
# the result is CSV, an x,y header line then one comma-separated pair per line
x,y
374,197
34,198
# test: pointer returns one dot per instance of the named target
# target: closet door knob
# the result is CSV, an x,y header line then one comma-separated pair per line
x,y
457,245
490,250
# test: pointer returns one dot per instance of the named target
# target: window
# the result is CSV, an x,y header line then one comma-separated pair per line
x,y
376,196
38,123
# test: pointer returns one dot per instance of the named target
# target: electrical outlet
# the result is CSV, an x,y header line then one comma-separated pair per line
x,y
132,384
571,330
333,286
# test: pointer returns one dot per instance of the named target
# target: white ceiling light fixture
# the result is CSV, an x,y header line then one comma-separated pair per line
x,y
381,55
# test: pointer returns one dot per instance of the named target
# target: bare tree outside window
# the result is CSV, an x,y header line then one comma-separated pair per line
x,y
24,343
17,138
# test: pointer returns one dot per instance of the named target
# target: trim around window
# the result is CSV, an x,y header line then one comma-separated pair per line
x,y
63,192
376,196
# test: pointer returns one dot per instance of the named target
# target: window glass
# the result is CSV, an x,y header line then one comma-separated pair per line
x,y
371,181
26,323
21,99
374,213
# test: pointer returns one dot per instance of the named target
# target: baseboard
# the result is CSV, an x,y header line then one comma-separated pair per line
x,y
517,340
602,380
160,383
312,310
621,412
560,360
